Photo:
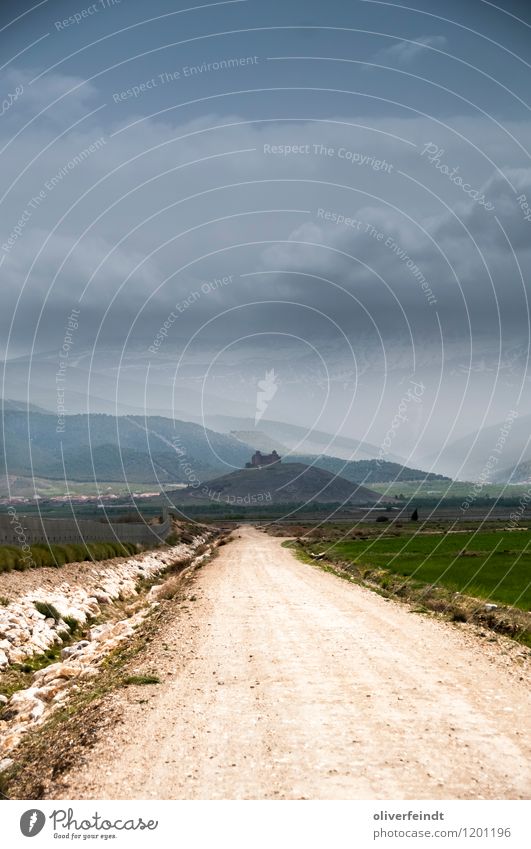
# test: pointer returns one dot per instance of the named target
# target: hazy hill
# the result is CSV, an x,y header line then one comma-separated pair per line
x,y
298,439
108,448
358,471
467,458
260,441
282,483
521,473
7,405
367,471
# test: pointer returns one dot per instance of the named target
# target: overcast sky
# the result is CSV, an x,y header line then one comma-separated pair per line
x,y
340,186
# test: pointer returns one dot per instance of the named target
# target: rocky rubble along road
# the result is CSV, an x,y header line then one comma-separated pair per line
x,y
26,631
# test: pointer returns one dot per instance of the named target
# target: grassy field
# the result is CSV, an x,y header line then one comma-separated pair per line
x,y
494,566
448,490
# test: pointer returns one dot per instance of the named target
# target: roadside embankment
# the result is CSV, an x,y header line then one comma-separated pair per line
x,y
55,637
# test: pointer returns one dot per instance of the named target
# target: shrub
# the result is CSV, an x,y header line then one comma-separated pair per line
x,y
172,539
75,552
169,588
100,550
47,610
72,623
43,555
9,558
459,616
59,555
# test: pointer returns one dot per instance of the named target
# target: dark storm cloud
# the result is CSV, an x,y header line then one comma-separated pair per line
x,y
132,200
136,238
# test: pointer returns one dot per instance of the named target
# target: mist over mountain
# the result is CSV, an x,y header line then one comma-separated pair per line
x,y
156,450
490,453
518,474
345,411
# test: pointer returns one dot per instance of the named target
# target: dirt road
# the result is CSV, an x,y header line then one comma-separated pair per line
x,y
282,681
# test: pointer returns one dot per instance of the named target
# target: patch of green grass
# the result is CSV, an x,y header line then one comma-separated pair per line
x,y
19,676
72,623
142,679
486,565
4,601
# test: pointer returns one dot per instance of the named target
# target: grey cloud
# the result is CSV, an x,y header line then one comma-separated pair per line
x,y
176,250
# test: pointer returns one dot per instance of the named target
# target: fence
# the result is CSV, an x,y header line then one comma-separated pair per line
x,y
37,529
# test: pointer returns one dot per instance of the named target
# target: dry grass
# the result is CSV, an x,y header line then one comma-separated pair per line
x,y
170,588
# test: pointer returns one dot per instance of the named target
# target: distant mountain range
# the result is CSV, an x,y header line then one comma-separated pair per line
x,y
121,382
107,448
160,451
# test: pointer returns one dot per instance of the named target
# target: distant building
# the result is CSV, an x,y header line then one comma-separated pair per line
x,y
258,460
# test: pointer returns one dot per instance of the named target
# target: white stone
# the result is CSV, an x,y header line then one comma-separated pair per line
x,y
74,649
49,691
37,710
102,597
17,655
96,632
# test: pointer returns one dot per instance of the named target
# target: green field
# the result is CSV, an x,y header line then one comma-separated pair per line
x,y
435,490
490,566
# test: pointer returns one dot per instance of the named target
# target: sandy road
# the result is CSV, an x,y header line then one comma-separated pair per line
x,y
287,682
